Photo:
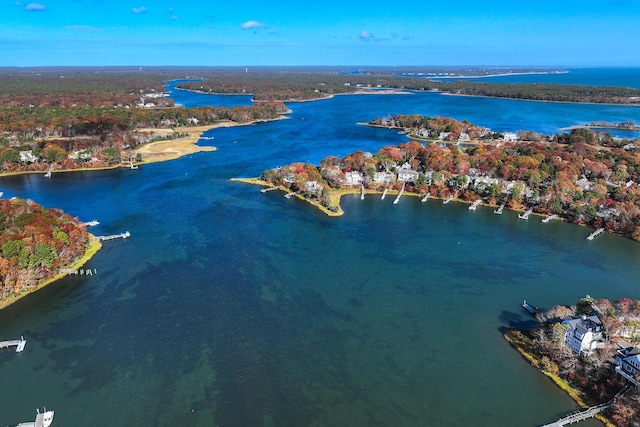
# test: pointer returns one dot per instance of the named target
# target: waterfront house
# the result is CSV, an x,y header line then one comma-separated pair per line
x,y
628,364
314,187
509,137
383,177
353,178
27,156
583,334
407,175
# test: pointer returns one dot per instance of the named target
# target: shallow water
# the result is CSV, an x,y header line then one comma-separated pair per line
x,y
232,307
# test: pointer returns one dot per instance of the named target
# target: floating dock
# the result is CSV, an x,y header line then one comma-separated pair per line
x,y
595,233
474,205
531,309
526,214
425,198
549,218
43,419
19,344
500,209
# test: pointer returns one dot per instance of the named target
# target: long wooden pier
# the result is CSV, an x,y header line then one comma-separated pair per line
x,y
19,344
395,202
549,218
579,416
384,193
595,233
124,235
264,190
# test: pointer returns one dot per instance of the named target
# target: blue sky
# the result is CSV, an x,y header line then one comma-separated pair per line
x,y
216,33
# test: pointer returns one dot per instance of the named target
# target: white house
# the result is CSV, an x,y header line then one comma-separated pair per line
x,y
385,177
353,178
628,363
509,137
407,175
314,187
27,156
583,333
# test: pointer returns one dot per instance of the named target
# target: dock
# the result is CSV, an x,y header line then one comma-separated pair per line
x,y
91,223
43,419
595,233
526,214
531,309
474,205
264,190
579,416
81,272
446,202
500,209
289,195
425,198
395,202
124,235
549,218
19,344
384,193
362,192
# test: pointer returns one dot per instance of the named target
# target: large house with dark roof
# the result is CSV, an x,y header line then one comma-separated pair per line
x,y
583,333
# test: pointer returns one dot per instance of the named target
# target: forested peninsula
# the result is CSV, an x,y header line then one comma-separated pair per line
x,y
35,245
585,177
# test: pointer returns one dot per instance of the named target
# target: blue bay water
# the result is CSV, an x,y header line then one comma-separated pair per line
x,y
232,307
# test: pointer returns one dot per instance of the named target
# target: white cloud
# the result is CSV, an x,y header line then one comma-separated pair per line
x,y
35,7
138,10
252,25
366,35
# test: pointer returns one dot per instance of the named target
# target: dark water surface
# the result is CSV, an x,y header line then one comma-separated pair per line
x,y
232,307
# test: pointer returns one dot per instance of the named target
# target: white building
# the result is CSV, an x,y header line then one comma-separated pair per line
x,y
353,178
583,333
385,177
509,137
27,156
